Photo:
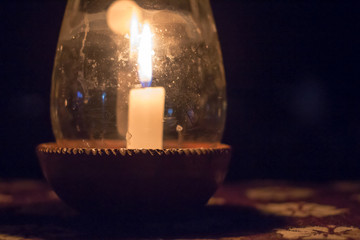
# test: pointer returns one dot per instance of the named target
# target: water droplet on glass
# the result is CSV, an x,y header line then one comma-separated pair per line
x,y
179,128
86,143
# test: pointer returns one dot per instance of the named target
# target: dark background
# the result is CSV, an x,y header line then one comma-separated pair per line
x,y
292,71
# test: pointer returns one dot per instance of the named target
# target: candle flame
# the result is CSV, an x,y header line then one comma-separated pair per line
x,y
134,34
145,56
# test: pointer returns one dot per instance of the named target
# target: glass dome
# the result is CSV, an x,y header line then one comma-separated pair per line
x,y
138,74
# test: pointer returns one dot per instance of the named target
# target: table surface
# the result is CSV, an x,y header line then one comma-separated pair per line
x,y
240,211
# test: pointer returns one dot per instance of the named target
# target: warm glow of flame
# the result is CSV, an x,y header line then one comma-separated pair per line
x,y
134,34
145,56
119,15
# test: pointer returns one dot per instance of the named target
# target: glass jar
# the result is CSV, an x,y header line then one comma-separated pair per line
x,y
138,74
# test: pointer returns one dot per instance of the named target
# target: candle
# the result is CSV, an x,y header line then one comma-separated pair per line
x,y
146,104
146,113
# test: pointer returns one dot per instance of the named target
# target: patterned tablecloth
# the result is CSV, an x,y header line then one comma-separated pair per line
x,y
247,210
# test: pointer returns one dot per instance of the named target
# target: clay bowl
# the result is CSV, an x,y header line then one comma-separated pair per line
x,y
120,180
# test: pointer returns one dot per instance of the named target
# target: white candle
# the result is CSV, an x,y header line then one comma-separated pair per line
x,y
146,105
146,113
